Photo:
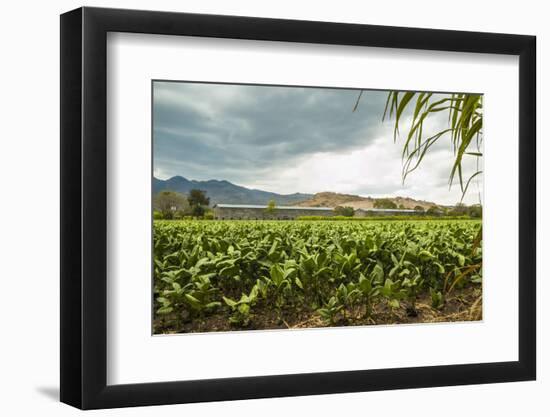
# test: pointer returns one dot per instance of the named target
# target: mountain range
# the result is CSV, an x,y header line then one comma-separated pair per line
x,y
221,191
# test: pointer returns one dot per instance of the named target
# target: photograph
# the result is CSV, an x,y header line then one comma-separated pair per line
x,y
355,202
289,207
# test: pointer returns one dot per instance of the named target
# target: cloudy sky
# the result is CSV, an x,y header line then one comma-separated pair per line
x,y
289,139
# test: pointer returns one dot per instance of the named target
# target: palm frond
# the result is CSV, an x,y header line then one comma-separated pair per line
x,y
464,129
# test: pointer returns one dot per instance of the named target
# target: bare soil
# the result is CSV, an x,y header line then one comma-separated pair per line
x,y
462,305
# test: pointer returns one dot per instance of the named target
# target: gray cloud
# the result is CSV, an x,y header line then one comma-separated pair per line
x,y
208,129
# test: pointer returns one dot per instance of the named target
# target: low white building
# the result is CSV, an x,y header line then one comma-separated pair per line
x,y
366,212
261,212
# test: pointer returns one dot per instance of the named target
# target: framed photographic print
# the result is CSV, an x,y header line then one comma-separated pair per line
x,y
291,208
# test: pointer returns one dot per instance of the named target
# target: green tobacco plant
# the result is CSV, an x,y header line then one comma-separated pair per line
x,y
279,280
312,271
330,310
368,291
412,284
438,300
241,309
200,294
393,293
347,295
173,301
347,264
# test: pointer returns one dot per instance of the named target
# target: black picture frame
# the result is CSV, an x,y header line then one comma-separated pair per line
x,y
84,207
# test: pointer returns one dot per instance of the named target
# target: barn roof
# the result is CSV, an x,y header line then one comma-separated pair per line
x,y
254,206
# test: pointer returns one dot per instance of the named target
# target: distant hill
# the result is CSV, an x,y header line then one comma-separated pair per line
x,y
221,191
328,199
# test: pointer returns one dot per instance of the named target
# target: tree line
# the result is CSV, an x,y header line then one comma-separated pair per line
x,y
458,210
173,205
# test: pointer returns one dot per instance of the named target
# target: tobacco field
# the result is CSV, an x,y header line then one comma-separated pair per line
x,y
245,275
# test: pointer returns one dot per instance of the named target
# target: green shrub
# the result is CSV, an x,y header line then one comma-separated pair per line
x,y
344,211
